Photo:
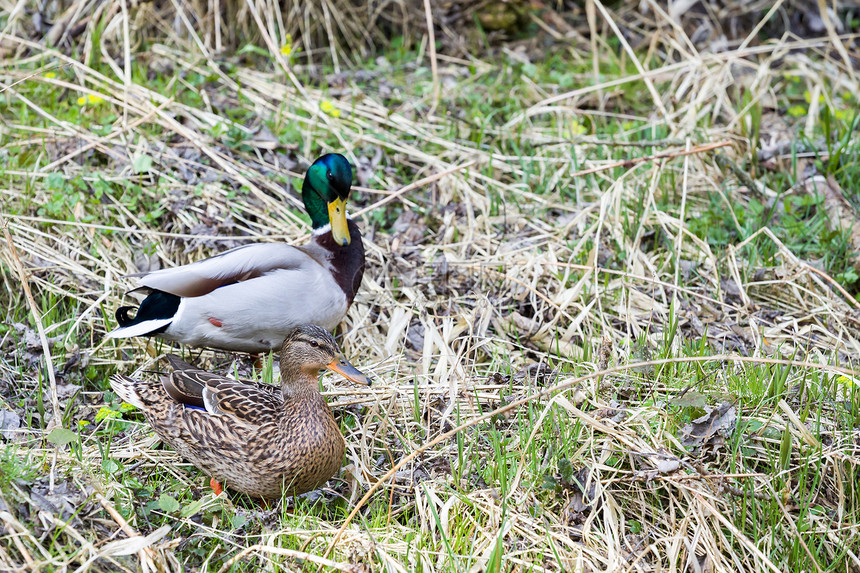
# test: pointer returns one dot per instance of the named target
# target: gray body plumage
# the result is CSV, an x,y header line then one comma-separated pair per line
x,y
248,298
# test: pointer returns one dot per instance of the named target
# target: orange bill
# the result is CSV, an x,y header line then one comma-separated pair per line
x,y
349,371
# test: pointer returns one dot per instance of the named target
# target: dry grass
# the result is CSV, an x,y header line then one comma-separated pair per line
x,y
510,260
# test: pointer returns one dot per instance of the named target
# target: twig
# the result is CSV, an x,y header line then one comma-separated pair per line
x,y
738,492
414,185
637,143
321,561
667,155
682,219
742,175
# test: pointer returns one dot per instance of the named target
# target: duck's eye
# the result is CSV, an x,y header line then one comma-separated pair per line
x,y
330,175
314,343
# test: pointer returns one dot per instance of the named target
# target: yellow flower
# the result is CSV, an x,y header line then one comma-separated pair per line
x,y
577,129
842,114
807,95
83,423
50,75
90,99
126,407
287,48
105,412
797,111
327,107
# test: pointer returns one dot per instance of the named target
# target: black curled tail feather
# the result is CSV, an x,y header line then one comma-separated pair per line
x,y
122,316
158,305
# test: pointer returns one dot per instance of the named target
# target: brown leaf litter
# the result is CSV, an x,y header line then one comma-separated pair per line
x,y
711,429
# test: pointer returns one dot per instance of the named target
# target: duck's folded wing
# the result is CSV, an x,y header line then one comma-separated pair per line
x,y
235,265
186,386
250,402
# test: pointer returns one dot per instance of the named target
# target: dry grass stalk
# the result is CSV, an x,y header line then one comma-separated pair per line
x,y
15,261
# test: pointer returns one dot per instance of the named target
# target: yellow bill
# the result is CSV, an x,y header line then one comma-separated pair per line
x,y
337,218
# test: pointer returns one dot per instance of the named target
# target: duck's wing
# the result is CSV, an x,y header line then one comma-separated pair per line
x,y
249,403
235,265
180,365
245,401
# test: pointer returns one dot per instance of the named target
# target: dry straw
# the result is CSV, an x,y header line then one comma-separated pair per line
x,y
505,267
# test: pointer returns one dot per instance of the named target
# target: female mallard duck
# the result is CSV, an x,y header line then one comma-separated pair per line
x,y
247,299
258,440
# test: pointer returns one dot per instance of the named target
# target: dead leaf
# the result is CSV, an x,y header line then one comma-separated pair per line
x,y
700,563
604,352
687,268
526,326
668,465
690,400
731,289
415,335
133,544
367,167
31,337
712,428
646,475
63,500
9,424
583,500
614,412
145,263
65,391
410,227
537,373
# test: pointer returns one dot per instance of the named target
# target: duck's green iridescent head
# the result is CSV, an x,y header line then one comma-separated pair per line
x,y
325,191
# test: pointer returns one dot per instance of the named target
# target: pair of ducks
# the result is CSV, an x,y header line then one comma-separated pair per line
x,y
260,440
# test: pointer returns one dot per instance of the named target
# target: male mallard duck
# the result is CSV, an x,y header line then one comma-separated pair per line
x,y
248,298
258,440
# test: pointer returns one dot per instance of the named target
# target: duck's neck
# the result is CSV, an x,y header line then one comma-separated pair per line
x,y
347,261
301,385
314,205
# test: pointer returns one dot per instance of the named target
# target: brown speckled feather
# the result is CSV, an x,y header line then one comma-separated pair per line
x,y
256,438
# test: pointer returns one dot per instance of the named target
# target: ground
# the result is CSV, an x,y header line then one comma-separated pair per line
x,y
542,217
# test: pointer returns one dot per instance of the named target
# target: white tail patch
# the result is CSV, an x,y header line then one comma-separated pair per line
x,y
139,329
125,389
